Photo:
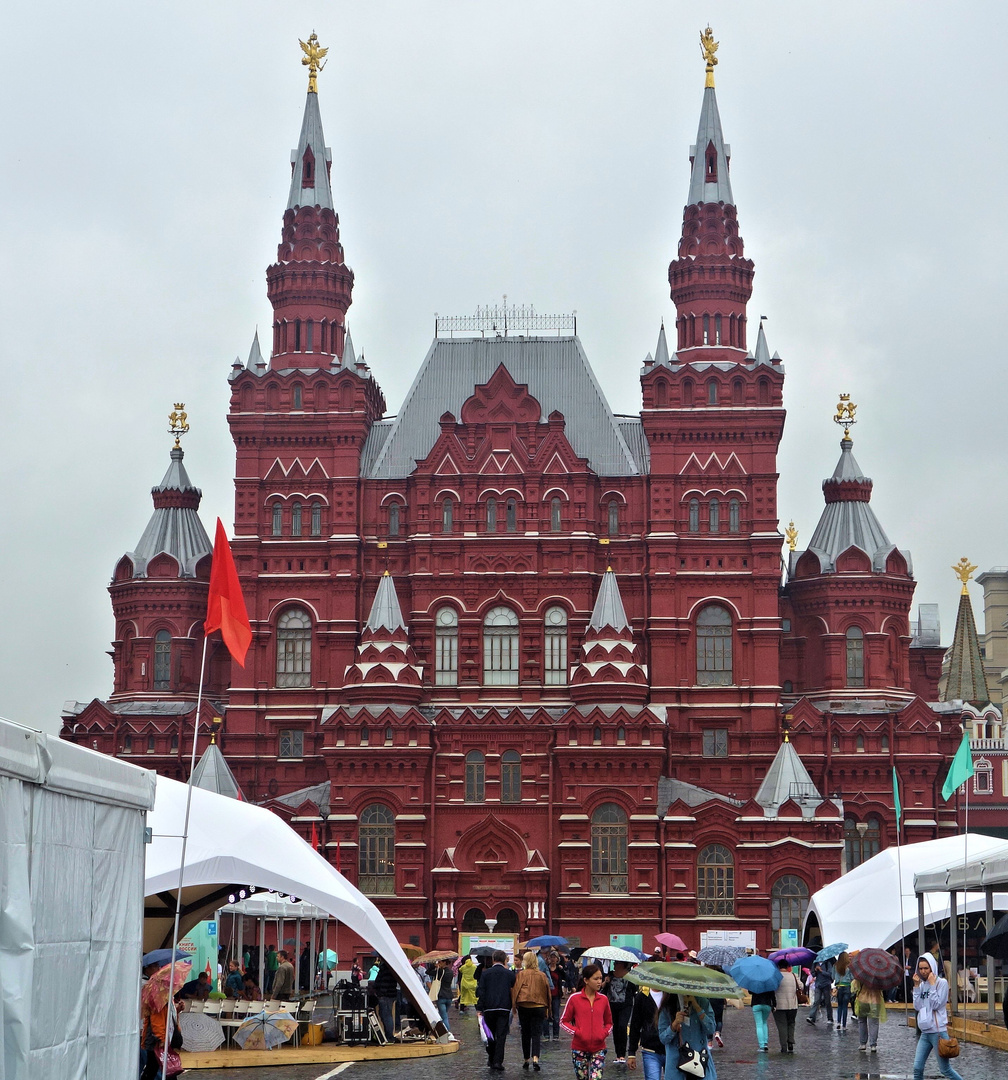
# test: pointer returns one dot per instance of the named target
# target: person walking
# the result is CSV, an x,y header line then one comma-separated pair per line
x,y
823,992
762,1006
493,1003
588,1017
272,963
844,978
786,1006
644,1035
283,980
558,980
930,996
467,984
445,994
690,1022
530,997
386,988
620,994
869,1007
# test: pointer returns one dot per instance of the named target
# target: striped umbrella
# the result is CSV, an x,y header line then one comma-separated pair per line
x,y
877,969
721,956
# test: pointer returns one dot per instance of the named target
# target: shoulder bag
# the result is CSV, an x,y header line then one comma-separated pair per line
x,y
692,1062
948,1048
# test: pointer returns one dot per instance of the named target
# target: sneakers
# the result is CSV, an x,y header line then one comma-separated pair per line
x,y
873,1049
863,1047
718,1039
809,1019
838,1027
621,1061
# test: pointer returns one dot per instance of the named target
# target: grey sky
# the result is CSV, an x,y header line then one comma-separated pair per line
x,y
534,149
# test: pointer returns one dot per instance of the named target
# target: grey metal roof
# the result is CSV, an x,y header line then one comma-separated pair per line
x,y
632,431
385,611
762,349
316,793
313,136
709,131
255,356
966,678
373,444
670,789
173,529
661,356
927,629
787,778
212,774
557,374
608,610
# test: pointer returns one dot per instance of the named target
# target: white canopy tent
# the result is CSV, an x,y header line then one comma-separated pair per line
x,y
863,906
233,845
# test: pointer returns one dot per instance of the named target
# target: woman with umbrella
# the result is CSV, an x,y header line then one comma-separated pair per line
x,y
930,995
691,1024
869,1006
844,978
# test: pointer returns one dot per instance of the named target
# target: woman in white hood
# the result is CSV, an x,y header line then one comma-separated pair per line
x,y
930,995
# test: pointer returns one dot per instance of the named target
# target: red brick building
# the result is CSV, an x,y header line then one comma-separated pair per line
x,y
516,657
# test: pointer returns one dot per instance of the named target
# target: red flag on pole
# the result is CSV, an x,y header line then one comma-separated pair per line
x,y
225,604
314,837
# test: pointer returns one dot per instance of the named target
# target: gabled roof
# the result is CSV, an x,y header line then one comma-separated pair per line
x,y
311,136
608,610
787,778
557,374
671,790
709,131
385,611
966,678
213,774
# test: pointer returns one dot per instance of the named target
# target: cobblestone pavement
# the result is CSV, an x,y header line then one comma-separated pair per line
x,y
822,1054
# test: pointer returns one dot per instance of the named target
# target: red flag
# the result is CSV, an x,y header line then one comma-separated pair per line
x,y
225,604
314,837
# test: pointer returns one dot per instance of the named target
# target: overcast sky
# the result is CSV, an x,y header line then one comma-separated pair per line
x,y
534,149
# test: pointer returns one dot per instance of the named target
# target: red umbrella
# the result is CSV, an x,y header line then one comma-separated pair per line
x,y
876,969
672,941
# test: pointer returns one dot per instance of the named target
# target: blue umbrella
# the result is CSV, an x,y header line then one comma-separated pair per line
x,y
639,953
757,974
831,952
547,941
163,956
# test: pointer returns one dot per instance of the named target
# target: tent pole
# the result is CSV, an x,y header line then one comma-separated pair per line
x,y
262,954
989,896
899,874
965,898
920,925
181,872
954,982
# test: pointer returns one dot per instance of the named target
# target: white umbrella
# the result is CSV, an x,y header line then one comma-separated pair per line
x,y
611,952
200,1032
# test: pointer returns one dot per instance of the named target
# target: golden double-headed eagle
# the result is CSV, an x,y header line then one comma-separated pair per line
x,y
708,46
313,60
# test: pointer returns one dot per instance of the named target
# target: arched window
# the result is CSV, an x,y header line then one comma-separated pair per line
x,y
316,518
614,517
491,515
556,507
162,660
714,516
714,646
733,515
763,391
446,647
789,897
609,849
297,335
294,642
717,329
712,392
715,881
737,390
687,392
393,519
983,778
277,519
706,329
447,514
296,401
694,515
376,854
500,647
596,736
512,515
475,777
862,841
556,647
511,776
295,519
855,656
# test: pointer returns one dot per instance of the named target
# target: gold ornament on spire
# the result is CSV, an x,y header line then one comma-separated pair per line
x,y
845,414
708,46
178,423
313,60
964,570
791,534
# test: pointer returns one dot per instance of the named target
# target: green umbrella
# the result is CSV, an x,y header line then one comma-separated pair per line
x,y
677,978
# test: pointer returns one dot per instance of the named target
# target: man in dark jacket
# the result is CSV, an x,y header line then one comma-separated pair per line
x,y
386,986
493,1003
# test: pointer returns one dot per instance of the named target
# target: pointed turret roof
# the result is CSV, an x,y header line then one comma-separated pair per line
x,y
762,349
787,778
710,185
966,678
213,774
255,357
661,355
608,610
310,178
349,356
174,528
385,611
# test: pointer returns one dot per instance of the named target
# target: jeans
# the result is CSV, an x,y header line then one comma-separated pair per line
x,y
442,1008
530,1021
652,1064
868,1030
555,1012
385,1014
842,1001
761,1013
823,996
717,1007
785,1020
927,1042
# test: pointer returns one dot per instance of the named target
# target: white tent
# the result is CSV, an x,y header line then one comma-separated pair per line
x,y
234,844
863,908
71,908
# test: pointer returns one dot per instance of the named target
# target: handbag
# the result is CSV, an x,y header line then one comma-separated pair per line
x,y
173,1064
692,1062
948,1048
435,989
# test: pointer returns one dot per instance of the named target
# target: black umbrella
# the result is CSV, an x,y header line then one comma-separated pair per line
x,y
996,942
484,952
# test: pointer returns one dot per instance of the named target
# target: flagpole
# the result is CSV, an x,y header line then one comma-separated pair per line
x,y
965,896
899,874
181,873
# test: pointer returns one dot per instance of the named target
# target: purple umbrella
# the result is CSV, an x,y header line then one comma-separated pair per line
x,y
798,955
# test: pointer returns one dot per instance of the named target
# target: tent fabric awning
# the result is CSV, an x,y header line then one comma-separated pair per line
x,y
235,844
976,874
864,905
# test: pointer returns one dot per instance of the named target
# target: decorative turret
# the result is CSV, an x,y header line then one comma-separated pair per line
x,y
610,668
385,669
788,779
212,773
310,285
966,679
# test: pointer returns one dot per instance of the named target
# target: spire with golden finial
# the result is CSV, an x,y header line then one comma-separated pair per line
x,y
964,570
313,60
178,423
708,47
791,534
845,414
